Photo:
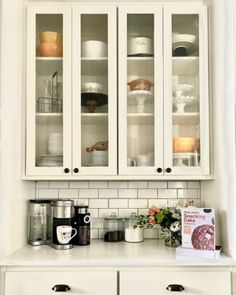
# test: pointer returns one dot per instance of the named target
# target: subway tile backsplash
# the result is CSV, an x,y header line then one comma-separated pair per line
x,y
122,197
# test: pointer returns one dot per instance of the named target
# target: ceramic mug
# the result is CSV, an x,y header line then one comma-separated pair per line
x,y
64,234
131,162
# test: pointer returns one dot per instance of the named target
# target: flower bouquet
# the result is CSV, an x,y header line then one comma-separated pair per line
x,y
169,220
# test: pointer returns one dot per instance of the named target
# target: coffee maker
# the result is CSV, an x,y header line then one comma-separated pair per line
x,y
61,217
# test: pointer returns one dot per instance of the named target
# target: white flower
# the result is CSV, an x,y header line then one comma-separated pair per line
x,y
176,215
175,226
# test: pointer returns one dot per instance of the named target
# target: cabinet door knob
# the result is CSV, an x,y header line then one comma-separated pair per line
x,y
61,288
168,170
76,170
66,170
159,169
175,288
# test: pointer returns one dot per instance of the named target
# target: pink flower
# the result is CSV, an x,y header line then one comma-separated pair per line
x,y
152,212
152,220
158,210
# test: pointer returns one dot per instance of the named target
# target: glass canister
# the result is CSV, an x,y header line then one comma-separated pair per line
x,y
38,222
113,228
133,233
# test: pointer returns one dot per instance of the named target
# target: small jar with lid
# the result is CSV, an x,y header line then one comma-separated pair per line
x,y
133,232
113,228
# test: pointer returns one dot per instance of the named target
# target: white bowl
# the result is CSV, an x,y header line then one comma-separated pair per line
x,y
94,48
99,158
140,45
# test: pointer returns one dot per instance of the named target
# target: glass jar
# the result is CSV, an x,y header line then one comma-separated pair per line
x,y
113,228
133,234
38,222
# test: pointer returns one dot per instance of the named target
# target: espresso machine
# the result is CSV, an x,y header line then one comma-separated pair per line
x,y
61,218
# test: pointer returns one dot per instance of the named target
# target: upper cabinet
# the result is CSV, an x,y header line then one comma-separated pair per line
x,y
71,99
73,82
163,90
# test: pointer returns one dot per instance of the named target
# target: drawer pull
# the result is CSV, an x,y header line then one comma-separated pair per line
x,y
61,288
175,288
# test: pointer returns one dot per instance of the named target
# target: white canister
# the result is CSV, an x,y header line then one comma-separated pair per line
x,y
133,233
140,46
99,158
94,48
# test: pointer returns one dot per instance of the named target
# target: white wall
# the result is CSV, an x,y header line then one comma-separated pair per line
x,y
13,191
221,193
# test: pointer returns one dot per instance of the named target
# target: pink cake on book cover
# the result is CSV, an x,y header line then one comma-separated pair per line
x,y
198,228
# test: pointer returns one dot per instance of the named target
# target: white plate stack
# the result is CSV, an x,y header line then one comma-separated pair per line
x,y
54,158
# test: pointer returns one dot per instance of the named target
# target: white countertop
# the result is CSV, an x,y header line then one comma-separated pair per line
x,y
99,253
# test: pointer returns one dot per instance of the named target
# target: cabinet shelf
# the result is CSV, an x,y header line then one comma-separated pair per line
x,y
185,65
44,117
140,66
94,66
140,118
186,119
94,118
49,65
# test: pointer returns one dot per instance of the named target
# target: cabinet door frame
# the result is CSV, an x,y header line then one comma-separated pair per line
x,y
32,11
110,11
201,10
156,11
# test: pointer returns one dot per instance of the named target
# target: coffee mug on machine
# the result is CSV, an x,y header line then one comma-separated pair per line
x,y
64,234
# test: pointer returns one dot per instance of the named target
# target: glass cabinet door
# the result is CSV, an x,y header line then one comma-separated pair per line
x,y
140,90
94,90
186,145
48,91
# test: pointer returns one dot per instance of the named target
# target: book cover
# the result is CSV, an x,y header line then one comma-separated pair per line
x,y
198,228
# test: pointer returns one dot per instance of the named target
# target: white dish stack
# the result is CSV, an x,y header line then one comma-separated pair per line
x,y
54,158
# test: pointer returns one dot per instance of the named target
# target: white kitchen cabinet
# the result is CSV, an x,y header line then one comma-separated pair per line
x,y
60,123
164,129
72,282
187,282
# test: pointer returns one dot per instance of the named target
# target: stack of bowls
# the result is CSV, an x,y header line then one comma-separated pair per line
x,y
184,144
145,159
50,44
55,143
94,49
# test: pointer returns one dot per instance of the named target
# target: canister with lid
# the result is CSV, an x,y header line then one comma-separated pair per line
x,y
113,228
133,232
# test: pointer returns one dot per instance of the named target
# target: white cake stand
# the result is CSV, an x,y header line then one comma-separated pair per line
x,y
139,97
182,89
181,102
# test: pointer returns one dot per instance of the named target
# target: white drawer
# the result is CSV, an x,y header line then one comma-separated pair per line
x,y
80,282
156,282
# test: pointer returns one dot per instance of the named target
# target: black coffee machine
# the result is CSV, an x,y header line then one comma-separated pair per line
x,y
61,219
81,222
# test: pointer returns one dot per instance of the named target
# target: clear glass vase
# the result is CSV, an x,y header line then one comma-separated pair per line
x,y
172,239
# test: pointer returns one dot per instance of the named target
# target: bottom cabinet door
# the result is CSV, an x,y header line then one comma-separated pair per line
x,y
65,282
167,282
